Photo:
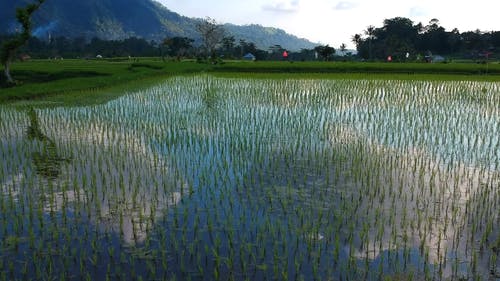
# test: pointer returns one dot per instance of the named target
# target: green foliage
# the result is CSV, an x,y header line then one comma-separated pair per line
x,y
178,46
399,36
326,52
9,48
211,34
23,16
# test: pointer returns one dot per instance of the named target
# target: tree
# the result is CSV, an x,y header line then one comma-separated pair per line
x,y
325,51
250,47
343,48
211,34
356,39
396,38
9,48
370,32
276,51
228,43
399,36
474,41
178,46
435,38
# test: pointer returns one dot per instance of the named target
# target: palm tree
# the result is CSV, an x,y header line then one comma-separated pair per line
x,y
356,39
342,48
370,32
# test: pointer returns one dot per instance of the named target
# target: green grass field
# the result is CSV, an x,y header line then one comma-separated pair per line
x,y
87,80
362,67
96,81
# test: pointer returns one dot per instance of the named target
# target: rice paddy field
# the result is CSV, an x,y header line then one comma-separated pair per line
x,y
210,178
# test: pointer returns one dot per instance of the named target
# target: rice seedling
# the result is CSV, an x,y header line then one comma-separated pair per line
x,y
231,178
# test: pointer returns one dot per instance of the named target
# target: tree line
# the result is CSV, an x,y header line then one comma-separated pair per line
x,y
398,38
402,40
169,48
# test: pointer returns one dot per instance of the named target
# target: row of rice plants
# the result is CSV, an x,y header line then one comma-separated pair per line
x,y
211,178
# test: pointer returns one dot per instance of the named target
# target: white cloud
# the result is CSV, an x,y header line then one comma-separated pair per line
x,y
418,12
282,7
345,5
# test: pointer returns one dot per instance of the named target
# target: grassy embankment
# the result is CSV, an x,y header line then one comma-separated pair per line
x,y
87,81
96,81
376,70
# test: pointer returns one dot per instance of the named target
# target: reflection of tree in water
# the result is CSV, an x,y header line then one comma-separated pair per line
x,y
210,99
47,161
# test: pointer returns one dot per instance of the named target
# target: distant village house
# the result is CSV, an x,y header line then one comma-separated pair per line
x,y
249,57
24,57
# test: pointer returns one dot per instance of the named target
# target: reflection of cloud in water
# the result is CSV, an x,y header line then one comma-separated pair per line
x,y
342,134
422,199
435,194
114,176
131,227
133,185
8,187
120,180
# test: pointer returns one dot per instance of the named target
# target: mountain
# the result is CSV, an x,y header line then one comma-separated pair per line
x,y
119,19
264,37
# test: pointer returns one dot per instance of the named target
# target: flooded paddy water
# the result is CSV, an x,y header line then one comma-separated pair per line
x,y
204,178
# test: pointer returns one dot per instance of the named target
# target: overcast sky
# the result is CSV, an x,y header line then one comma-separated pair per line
x,y
335,21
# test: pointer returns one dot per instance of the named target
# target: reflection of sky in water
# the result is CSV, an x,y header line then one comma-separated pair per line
x,y
300,145
445,131
114,175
